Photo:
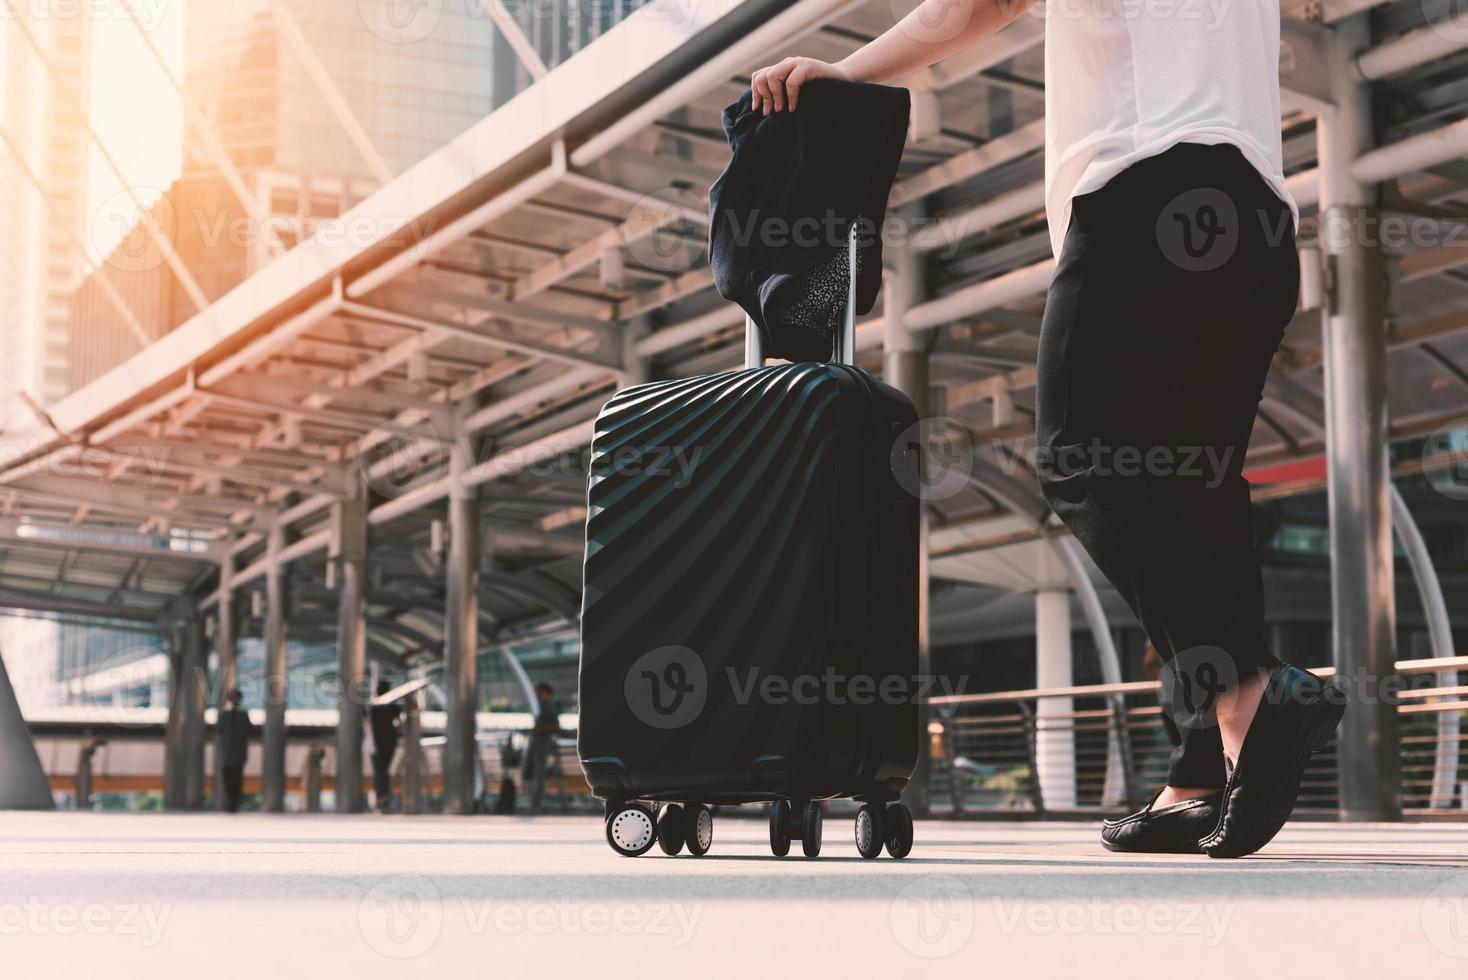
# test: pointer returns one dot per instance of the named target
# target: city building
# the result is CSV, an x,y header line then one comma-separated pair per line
x,y
40,267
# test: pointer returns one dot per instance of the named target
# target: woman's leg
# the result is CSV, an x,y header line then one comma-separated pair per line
x,y
1150,369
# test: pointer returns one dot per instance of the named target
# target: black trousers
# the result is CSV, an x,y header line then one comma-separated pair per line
x,y
382,778
1171,296
234,781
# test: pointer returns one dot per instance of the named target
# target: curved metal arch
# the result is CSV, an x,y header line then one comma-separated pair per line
x,y
539,589
1027,504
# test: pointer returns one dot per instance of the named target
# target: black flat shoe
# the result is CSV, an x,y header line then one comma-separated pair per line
x,y
1297,715
1174,829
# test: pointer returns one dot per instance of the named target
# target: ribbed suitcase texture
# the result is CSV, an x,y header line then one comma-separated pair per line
x,y
749,627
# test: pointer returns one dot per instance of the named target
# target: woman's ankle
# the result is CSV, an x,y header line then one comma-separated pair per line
x,y
1236,709
1180,794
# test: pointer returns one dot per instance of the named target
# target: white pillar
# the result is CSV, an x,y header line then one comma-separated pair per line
x,y
1054,732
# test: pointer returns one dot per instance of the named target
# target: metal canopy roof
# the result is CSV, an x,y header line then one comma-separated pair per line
x,y
514,278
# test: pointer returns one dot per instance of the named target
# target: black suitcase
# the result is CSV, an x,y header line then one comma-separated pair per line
x,y
749,622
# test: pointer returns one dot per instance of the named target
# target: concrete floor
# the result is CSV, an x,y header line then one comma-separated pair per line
x,y
97,895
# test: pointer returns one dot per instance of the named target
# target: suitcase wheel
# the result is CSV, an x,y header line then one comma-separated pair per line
x,y
780,828
672,827
698,827
631,829
800,820
811,820
869,831
897,823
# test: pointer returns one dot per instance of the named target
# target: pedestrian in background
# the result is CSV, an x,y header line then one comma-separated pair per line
x,y
232,743
387,724
542,744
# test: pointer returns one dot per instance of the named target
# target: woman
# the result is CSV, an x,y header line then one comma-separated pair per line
x,y
1176,277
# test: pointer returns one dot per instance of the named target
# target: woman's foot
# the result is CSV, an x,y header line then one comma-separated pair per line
x,y
1295,716
1171,828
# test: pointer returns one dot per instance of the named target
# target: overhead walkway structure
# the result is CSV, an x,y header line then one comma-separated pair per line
x,y
381,435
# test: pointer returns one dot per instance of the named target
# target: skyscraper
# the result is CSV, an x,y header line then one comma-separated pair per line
x,y
39,265
413,77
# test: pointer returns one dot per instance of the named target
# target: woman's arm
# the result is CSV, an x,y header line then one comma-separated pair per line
x,y
933,30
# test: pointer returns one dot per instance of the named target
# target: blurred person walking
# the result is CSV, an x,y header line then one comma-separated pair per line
x,y
387,726
539,753
232,743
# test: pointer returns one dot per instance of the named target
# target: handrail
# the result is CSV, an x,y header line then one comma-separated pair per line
x,y
1431,665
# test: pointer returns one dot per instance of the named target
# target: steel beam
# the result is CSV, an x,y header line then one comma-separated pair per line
x,y
272,766
1362,596
461,638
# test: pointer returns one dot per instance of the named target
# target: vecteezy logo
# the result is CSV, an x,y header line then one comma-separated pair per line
x,y
1445,917
1199,230
933,459
667,687
933,916
400,21
401,917
1446,452
1191,683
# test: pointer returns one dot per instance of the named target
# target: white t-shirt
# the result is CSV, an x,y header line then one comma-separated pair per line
x,y
1127,79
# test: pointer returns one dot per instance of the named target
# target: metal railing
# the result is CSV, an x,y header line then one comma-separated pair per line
x,y
1049,752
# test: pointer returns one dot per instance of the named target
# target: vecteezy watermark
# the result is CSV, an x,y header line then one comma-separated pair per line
x,y
933,917
1211,464
148,13
1192,681
1207,921
666,688
674,921
404,916
403,21
401,917
1198,231
392,459
664,230
677,463
835,688
1445,917
1453,26
830,231
142,922
933,459
1445,459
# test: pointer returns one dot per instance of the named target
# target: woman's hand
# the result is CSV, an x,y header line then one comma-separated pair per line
x,y
777,87
929,33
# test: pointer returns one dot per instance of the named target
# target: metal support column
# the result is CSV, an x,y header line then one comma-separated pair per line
x,y
1362,595
461,637
173,727
227,653
413,755
272,765
905,367
349,556
193,682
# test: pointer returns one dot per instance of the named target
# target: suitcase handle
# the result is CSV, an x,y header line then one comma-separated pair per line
x,y
845,352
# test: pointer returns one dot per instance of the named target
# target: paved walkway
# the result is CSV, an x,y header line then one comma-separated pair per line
x,y
113,896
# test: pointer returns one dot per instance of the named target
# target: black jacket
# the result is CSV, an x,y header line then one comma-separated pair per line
x,y
780,212
232,736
